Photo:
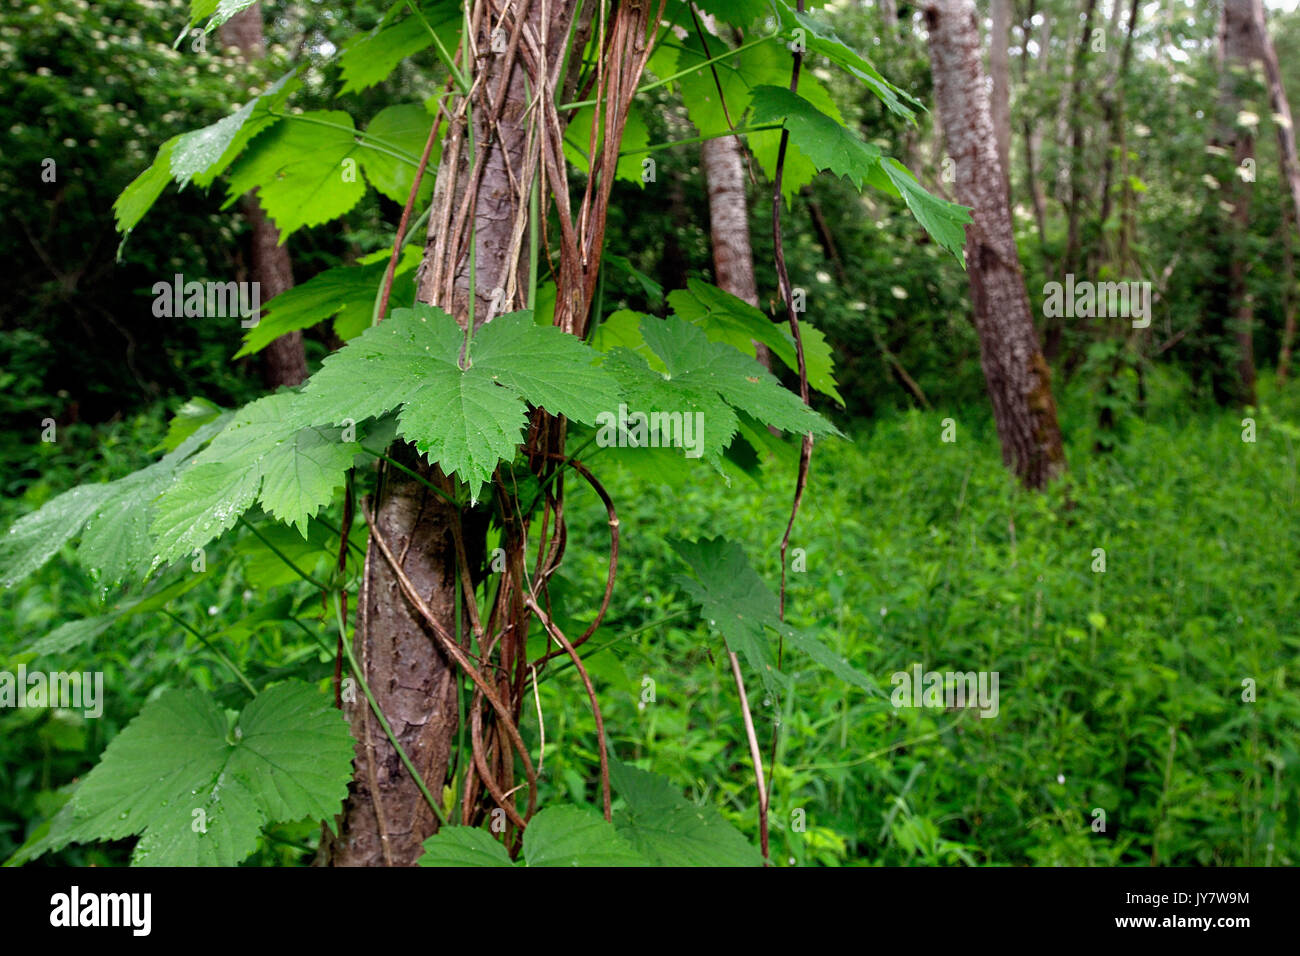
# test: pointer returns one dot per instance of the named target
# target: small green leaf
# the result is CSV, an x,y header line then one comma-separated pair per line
x,y
820,38
827,143
113,519
136,199
725,318
304,170
195,413
669,830
405,126
571,836
943,220
831,146
269,452
216,11
739,76
736,602
463,846
371,57
204,154
347,293
700,378
577,141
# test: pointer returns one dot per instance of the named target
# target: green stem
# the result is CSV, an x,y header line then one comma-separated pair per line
x,y
215,651
610,643
281,555
738,131
365,139
447,59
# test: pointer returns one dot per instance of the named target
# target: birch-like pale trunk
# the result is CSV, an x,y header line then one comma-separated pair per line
x,y
1018,378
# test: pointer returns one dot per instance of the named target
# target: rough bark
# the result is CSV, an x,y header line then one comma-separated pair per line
x,y
733,256
1000,71
1018,378
1290,169
284,361
1032,132
1240,47
386,817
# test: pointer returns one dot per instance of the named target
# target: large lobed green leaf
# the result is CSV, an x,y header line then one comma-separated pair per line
x,y
466,416
112,519
197,787
737,603
669,830
269,452
829,145
726,318
682,372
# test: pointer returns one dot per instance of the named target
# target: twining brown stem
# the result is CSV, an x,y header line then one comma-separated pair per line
x,y
805,450
453,650
596,486
754,755
563,641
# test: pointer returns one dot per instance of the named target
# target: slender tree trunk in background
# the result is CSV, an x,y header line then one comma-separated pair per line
x,y
1074,213
386,818
733,257
1000,70
1113,108
1290,169
284,361
1070,123
1289,297
1031,132
1018,378
1280,105
889,14
1239,48
674,267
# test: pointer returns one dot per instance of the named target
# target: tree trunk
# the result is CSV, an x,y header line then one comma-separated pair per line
x,y
1073,240
1280,105
284,361
1289,298
1290,169
1113,108
1019,381
1000,70
1031,132
1240,46
480,222
386,818
733,257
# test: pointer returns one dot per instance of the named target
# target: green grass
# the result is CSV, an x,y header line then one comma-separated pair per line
x,y
1120,691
